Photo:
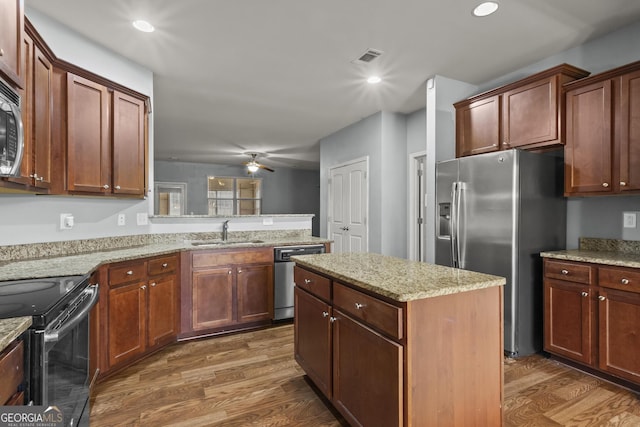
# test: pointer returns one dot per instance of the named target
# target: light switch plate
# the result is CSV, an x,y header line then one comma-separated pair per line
x,y
142,218
629,219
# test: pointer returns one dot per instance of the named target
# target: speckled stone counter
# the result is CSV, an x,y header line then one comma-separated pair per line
x,y
398,279
623,253
10,329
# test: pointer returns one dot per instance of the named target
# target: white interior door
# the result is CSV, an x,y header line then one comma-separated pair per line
x,y
348,207
417,209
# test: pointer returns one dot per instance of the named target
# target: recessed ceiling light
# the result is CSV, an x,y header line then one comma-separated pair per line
x,y
373,80
486,8
143,26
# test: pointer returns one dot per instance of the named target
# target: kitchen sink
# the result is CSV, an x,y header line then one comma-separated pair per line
x,y
224,242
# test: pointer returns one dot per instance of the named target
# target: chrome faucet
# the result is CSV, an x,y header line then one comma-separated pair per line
x,y
225,230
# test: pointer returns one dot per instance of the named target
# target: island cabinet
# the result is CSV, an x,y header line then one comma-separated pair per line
x,y
12,374
383,362
142,312
592,316
526,114
602,154
226,289
11,24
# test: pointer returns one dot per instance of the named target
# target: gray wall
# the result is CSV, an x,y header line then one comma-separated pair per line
x,y
285,191
381,138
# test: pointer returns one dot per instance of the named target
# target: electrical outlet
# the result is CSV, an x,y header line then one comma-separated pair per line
x,y
629,219
267,221
66,221
122,219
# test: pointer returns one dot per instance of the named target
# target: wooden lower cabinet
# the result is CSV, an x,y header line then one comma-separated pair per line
x,y
595,319
12,374
127,322
430,362
225,290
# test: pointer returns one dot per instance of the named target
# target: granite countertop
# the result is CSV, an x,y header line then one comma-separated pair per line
x,y
398,279
82,264
10,329
623,253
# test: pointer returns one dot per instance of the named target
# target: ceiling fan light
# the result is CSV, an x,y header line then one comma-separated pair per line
x,y
252,167
144,26
486,8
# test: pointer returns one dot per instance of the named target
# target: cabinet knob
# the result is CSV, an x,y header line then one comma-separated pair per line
x,y
34,176
307,281
585,294
332,319
130,272
153,285
143,287
602,298
624,281
359,306
565,272
623,184
106,186
1,52
229,272
605,184
117,187
40,178
325,314
165,265
239,270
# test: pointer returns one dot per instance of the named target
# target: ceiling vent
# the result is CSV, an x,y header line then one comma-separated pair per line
x,y
368,56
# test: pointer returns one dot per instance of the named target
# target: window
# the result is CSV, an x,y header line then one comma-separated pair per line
x,y
170,198
234,196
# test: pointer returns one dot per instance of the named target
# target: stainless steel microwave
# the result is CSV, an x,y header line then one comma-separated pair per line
x,y
11,131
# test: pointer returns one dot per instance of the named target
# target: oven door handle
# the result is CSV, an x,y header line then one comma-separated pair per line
x,y
55,335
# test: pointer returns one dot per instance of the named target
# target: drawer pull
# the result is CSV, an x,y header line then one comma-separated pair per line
x,y
165,265
325,314
153,285
602,298
143,287
229,272
585,294
624,281
623,184
239,270
605,184
359,306
130,273
565,272
307,281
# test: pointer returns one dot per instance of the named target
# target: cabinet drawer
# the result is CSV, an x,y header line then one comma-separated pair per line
x,y
319,286
379,314
569,271
127,273
626,279
215,258
11,370
162,265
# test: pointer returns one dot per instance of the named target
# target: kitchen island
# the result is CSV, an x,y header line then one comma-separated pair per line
x,y
392,342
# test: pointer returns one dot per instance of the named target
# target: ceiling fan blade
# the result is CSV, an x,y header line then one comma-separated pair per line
x,y
265,168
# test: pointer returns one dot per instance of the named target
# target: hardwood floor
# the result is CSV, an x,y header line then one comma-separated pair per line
x,y
251,379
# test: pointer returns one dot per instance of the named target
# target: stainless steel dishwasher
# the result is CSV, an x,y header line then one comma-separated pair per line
x,y
283,277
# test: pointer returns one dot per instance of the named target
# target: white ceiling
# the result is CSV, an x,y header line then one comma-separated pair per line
x,y
275,76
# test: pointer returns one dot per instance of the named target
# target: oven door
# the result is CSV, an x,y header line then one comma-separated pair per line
x,y
65,360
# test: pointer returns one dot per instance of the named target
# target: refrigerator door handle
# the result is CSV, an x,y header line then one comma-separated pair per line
x,y
460,187
454,224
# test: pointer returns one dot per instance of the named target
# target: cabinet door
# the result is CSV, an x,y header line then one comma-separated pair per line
x,y
478,127
569,320
11,24
163,310
42,113
212,298
26,108
619,316
312,338
128,145
630,132
255,293
88,146
127,322
588,152
367,374
530,114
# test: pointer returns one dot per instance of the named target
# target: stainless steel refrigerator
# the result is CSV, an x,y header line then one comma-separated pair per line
x,y
495,213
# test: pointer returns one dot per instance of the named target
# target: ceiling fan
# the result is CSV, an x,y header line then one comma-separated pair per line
x,y
253,166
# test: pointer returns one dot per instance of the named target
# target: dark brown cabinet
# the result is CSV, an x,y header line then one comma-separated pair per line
x,y
11,25
12,374
128,145
593,316
602,155
526,114
226,289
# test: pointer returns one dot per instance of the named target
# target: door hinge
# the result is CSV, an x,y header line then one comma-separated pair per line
x,y
420,221
420,173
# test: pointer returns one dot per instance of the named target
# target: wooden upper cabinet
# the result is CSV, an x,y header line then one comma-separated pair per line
x,y
478,127
88,145
11,25
526,114
588,166
630,132
26,109
128,145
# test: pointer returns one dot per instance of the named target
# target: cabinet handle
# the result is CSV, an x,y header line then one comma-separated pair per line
x,y
165,265
34,176
623,184
143,287
239,270
565,272
153,285
585,294
601,298
359,306
605,184
624,281
106,186
332,319
117,187
229,272
130,272
40,178
307,281
325,314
